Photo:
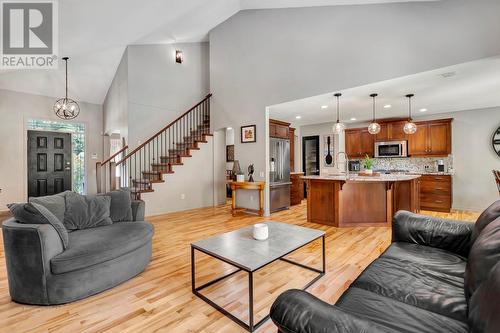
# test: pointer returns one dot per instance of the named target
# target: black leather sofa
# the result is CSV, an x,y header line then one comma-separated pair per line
x,y
437,276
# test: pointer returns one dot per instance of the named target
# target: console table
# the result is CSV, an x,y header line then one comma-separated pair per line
x,y
259,186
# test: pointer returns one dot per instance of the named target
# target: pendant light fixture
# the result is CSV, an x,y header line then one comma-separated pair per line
x,y
66,108
374,127
410,127
338,127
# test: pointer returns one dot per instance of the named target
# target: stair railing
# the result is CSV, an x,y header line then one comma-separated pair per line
x,y
145,164
102,171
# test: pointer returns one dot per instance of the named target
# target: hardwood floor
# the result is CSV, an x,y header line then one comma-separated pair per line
x,y
160,298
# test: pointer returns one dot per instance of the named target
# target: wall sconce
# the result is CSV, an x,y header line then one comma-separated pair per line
x,y
178,57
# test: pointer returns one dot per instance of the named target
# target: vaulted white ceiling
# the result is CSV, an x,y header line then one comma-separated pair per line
x,y
467,86
95,33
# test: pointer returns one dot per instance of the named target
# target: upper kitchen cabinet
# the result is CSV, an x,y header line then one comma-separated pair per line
x,y
391,131
358,142
433,138
418,144
279,129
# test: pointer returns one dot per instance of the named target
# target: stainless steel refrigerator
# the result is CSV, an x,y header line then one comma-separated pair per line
x,y
279,160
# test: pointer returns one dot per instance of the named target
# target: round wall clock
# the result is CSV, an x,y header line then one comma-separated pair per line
x,y
495,141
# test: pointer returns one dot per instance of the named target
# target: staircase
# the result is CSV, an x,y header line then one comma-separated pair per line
x,y
145,165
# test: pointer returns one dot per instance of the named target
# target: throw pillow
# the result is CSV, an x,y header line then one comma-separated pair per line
x,y
121,205
32,213
54,203
83,212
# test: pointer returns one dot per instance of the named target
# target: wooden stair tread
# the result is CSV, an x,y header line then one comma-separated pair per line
x,y
168,163
148,181
141,190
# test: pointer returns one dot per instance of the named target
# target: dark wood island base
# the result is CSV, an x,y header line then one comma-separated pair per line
x,y
360,201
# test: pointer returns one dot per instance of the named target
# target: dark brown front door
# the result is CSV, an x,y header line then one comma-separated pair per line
x,y
49,163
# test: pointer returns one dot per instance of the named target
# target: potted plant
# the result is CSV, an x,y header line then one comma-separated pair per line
x,y
368,164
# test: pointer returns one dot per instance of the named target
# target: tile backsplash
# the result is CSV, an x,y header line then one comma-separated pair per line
x,y
412,164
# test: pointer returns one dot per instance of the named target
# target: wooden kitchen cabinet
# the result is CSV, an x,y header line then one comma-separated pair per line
x,y
359,143
433,138
391,131
396,131
440,138
297,188
417,143
279,129
436,193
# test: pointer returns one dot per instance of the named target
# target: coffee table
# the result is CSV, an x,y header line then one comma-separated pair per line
x,y
238,248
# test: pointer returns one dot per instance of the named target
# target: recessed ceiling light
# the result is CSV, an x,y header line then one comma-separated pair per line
x,y
298,117
229,128
387,106
353,119
423,110
324,106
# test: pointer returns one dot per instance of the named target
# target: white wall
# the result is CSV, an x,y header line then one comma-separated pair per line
x,y
219,158
160,89
260,58
194,179
15,110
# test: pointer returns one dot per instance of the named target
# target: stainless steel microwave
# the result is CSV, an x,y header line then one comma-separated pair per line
x,y
391,149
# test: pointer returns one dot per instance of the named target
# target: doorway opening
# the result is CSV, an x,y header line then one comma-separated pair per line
x,y
78,148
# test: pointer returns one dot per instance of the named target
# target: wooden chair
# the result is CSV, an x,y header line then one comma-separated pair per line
x,y
496,173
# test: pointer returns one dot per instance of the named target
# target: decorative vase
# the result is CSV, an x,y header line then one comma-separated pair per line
x,y
369,171
240,178
260,231
236,169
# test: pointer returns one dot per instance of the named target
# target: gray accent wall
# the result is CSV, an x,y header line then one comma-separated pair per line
x,y
161,89
259,58
115,104
150,89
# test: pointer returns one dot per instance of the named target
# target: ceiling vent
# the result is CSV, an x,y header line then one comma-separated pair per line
x,y
448,74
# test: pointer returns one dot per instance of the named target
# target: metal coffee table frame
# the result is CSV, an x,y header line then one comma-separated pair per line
x,y
251,326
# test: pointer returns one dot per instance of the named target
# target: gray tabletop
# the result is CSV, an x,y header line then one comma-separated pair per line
x,y
241,249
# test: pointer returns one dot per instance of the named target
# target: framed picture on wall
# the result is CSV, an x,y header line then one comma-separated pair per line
x,y
230,153
248,134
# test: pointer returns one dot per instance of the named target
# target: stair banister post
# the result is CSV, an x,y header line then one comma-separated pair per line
x,y
112,175
98,175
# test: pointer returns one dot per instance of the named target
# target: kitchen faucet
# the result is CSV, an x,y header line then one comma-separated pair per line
x,y
346,162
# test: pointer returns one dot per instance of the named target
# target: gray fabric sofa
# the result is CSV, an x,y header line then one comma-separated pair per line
x,y
41,272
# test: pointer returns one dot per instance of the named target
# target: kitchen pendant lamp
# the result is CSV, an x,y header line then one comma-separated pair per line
x,y
410,127
66,108
374,127
338,127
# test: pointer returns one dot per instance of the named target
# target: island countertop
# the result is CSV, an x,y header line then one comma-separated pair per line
x,y
356,178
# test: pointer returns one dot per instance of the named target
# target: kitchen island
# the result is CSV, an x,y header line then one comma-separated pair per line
x,y
351,201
